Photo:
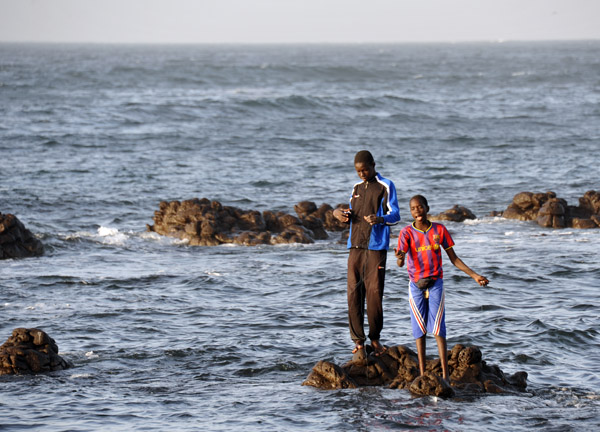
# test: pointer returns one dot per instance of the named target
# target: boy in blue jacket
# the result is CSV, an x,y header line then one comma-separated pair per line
x,y
373,209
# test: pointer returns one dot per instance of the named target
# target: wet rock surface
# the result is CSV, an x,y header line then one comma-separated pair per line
x,y
209,223
552,212
16,241
30,351
398,368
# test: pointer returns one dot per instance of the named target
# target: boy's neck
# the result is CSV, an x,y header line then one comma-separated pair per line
x,y
422,225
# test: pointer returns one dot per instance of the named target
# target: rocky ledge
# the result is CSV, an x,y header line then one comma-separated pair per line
x,y
16,241
552,212
30,351
209,223
203,222
398,368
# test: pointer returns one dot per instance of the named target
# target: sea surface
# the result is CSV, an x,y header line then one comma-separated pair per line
x,y
165,336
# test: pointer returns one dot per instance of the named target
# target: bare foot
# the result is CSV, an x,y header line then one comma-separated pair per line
x,y
359,347
378,348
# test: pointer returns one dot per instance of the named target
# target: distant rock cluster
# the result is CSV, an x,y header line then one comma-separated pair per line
x,y
552,212
30,351
398,368
16,241
203,222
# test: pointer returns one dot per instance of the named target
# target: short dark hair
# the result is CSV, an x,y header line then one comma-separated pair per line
x,y
364,156
422,199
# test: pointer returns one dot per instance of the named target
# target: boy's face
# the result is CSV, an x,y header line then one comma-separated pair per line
x,y
365,171
418,210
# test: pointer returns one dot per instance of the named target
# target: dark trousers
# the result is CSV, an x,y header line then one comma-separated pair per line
x,y
366,275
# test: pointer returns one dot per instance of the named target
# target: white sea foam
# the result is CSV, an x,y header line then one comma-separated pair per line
x,y
91,355
112,236
486,220
161,239
75,376
148,235
104,235
105,231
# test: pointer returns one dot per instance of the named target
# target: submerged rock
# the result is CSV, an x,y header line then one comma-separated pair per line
x,y
398,368
209,223
552,212
457,213
16,241
30,351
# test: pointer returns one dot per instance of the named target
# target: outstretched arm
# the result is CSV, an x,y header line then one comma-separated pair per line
x,y
454,259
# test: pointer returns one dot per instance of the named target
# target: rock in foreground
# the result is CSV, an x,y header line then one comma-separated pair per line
x,y
398,368
209,223
30,351
16,241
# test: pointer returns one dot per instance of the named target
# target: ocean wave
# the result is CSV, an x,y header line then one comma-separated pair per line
x,y
111,236
293,101
488,220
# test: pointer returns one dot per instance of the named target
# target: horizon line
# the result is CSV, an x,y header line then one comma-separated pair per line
x,y
457,42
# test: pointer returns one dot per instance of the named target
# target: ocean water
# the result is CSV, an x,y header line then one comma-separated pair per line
x,y
167,336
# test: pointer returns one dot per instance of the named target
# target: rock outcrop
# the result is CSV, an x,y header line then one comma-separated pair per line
x,y
552,212
398,368
30,351
16,241
457,213
209,223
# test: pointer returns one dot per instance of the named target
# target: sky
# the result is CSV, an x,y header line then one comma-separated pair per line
x,y
296,21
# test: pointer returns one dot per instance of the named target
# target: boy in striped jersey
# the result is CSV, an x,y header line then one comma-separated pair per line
x,y
422,243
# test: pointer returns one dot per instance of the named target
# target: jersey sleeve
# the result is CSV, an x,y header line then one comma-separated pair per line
x,y
403,241
446,241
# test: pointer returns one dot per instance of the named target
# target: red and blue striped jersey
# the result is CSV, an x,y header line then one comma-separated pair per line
x,y
424,250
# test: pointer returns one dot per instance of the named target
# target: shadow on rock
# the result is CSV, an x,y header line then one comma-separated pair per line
x,y
398,368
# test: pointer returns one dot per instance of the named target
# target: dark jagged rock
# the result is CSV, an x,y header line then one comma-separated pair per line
x,y
457,213
526,205
431,384
209,223
552,212
30,351
307,209
329,376
398,368
16,241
